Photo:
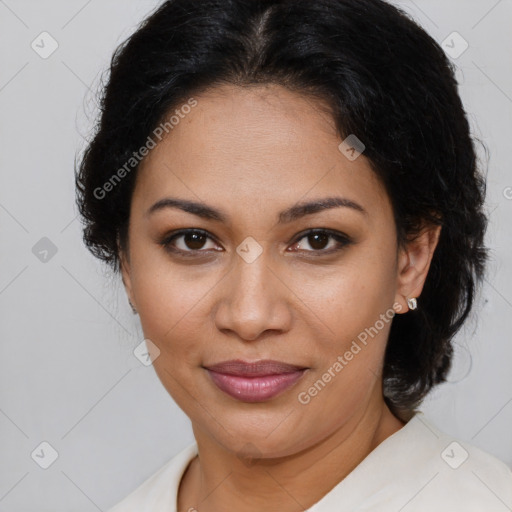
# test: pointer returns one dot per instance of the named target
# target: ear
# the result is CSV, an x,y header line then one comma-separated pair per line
x,y
413,265
124,265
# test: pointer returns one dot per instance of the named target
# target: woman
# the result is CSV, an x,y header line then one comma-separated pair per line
x,y
290,193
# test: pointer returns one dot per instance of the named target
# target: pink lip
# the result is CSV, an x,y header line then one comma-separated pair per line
x,y
254,382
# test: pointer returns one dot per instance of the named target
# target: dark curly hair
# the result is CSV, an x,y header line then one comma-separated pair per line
x,y
384,79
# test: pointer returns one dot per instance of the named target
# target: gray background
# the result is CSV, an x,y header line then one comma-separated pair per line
x,y
68,374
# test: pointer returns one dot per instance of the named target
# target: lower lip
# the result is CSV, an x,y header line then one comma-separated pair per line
x,y
255,389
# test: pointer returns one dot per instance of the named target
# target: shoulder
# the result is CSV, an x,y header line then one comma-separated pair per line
x,y
159,491
454,474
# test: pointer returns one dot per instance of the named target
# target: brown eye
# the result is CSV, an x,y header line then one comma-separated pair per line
x,y
318,240
321,241
194,240
189,241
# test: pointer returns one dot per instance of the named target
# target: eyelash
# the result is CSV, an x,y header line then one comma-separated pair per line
x,y
341,239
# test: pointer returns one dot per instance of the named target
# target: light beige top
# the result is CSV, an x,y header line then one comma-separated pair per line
x,y
417,469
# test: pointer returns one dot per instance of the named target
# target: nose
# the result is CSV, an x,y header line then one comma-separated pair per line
x,y
253,300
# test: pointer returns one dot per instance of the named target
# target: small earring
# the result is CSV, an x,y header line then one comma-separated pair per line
x,y
134,311
412,303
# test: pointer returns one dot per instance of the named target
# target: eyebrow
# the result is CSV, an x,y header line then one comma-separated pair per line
x,y
289,215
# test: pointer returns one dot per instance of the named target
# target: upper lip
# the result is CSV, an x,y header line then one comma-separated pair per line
x,y
257,368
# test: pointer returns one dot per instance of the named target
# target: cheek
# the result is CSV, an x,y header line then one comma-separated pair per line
x,y
175,311
351,297
169,296
354,304
171,311
358,310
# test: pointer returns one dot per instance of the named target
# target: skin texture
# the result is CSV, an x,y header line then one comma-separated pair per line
x,y
251,153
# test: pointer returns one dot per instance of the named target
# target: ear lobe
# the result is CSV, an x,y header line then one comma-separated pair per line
x,y
414,263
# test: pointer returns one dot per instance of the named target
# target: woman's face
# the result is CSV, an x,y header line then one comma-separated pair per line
x,y
256,285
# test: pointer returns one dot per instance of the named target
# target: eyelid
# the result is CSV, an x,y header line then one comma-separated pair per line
x,y
312,231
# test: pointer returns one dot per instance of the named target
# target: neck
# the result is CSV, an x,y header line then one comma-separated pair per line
x,y
219,480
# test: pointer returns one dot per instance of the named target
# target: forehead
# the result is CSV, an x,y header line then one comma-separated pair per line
x,y
255,142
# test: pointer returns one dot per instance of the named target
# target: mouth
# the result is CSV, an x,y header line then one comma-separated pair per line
x,y
254,381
